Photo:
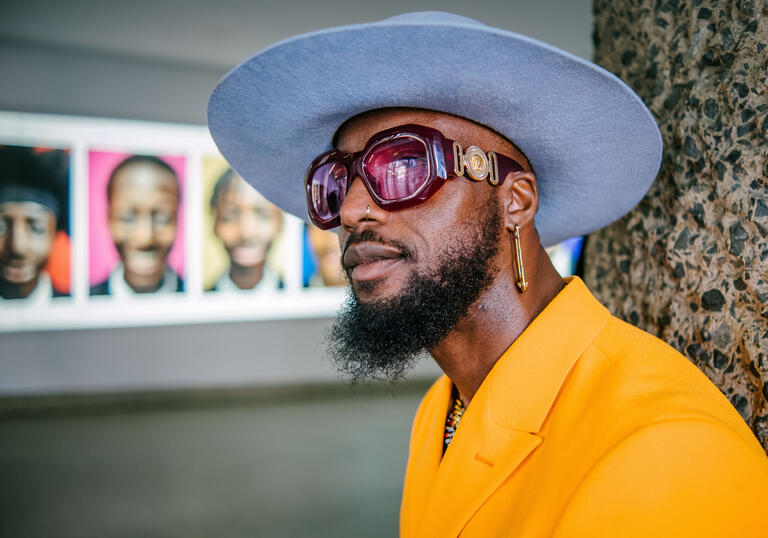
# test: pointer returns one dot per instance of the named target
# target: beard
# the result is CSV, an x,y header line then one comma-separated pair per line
x,y
382,340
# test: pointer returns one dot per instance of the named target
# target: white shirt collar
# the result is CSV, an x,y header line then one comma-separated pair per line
x,y
269,280
118,287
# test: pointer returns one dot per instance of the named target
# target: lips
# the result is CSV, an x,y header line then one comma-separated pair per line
x,y
370,260
248,256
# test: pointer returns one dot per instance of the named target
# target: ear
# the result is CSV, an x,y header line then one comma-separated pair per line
x,y
521,199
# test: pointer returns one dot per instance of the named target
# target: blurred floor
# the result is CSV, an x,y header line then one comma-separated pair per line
x,y
324,465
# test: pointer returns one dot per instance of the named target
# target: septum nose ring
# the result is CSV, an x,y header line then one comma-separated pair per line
x,y
367,212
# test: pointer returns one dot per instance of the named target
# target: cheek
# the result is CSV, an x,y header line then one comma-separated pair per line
x,y
119,231
165,234
227,233
433,231
446,216
41,247
266,232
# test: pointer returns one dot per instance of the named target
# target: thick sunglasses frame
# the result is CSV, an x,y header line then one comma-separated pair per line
x,y
445,157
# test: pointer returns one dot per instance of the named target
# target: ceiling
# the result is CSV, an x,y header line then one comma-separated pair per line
x,y
220,34
158,60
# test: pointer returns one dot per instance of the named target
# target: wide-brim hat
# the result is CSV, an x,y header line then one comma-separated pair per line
x,y
592,143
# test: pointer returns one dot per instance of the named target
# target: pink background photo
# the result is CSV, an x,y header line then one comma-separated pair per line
x,y
103,256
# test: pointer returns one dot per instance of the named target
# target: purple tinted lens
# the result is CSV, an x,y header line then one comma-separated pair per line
x,y
327,189
398,168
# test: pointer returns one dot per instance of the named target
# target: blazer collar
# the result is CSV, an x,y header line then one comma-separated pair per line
x,y
498,430
526,380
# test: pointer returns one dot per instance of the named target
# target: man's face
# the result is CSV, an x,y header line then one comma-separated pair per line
x,y
246,223
142,217
425,231
440,256
27,230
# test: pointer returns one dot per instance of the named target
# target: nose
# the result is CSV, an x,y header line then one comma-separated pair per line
x,y
249,226
143,234
20,240
359,208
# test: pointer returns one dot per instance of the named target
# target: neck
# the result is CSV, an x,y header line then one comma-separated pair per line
x,y
502,313
246,278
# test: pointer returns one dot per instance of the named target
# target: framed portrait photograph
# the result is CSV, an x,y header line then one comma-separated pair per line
x,y
136,225
243,234
34,224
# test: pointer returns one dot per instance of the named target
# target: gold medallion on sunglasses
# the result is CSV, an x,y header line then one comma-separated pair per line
x,y
476,163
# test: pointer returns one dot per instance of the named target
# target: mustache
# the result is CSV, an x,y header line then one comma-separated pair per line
x,y
374,236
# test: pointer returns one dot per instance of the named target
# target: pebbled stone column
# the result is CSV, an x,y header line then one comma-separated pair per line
x,y
690,263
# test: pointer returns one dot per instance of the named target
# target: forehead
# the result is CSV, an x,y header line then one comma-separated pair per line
x,y
356,131
146,177
26,209
239,191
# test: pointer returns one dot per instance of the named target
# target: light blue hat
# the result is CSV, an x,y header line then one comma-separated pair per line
x,y
593,144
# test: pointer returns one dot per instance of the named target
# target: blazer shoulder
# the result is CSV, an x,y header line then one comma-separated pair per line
x,y
647,380
652,365
673,478
619,340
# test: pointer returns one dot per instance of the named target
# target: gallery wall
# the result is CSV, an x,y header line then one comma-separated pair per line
x,y
159,62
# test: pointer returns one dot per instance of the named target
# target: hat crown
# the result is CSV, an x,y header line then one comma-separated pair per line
x,y
593,143
432,17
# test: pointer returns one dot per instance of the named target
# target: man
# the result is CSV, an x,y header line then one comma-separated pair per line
x,y
457,153
247,224
143,197
32,208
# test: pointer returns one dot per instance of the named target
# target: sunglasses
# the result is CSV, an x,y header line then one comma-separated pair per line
x,y
400,167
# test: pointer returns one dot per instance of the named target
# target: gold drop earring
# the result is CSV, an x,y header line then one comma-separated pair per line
x,y
521,282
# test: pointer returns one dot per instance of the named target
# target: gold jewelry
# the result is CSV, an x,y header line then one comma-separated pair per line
x,y
521,283
454,417
367,212
478,164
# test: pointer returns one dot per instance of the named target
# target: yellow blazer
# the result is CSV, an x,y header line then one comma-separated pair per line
x,y
586,427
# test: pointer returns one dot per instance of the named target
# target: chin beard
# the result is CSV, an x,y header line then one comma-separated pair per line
x,y
382,340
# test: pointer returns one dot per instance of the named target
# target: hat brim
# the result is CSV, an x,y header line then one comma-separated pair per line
x,y
593,144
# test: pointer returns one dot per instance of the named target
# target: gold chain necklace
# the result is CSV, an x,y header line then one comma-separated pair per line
x,y
454,417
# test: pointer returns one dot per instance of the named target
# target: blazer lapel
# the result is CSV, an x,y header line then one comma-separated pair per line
x,y
499,428
471,470
426,450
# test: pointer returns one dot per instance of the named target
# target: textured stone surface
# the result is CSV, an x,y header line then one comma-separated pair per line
x,y
690,263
